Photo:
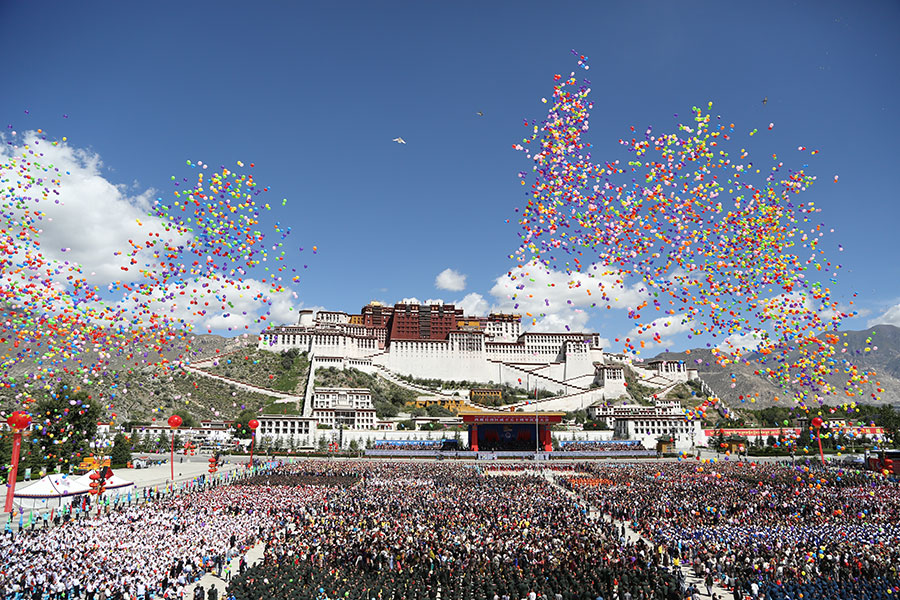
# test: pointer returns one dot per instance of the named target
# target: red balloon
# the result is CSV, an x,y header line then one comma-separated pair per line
x,y
253,424
174,421
817,422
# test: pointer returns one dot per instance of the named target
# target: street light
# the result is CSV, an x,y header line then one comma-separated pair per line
x,y
174,423
252,424
18,422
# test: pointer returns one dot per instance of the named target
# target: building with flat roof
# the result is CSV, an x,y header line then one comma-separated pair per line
x,y
664,418
350,408
437,341
294,431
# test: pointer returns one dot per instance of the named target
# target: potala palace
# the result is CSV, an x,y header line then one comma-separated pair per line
x,y
438,341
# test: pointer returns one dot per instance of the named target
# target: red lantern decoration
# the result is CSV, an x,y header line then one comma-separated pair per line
x,y
253,424
817,422
175,421
18,420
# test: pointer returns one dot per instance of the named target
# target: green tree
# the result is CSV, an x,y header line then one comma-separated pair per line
x,y
121,452
436,410
720,439
241,430
68,420
288,357
385,410
188,420
889,418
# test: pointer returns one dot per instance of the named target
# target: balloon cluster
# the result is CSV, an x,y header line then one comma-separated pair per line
x,y
710,235
201,253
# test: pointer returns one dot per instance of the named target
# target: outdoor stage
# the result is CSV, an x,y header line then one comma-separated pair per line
x,y
510,431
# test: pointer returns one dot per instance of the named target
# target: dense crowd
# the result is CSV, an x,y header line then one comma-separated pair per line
x,y
399,530
601,446
785,532
143,550
412,531
408,444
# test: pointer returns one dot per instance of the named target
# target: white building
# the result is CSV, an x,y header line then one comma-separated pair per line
x,y
647,423
350,408
612,380
501,327
204,435
672,369
292,430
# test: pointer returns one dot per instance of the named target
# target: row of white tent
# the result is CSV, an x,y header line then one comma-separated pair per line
x,y
58,489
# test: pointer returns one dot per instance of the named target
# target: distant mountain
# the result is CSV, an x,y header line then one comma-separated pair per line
x,y
883,358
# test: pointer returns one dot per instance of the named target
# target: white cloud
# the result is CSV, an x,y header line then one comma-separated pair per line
x,y
557,301
743,341
473,305
665,327
450,280
889,317
88,227
91,219
214,305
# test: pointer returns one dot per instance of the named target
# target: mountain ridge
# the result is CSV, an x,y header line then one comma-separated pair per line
x,y
738,384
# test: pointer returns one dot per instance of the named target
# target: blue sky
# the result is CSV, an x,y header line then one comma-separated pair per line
x,y
313,94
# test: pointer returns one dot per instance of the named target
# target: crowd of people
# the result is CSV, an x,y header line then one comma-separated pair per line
x,y
408,444
764,530
419,531
144,550
601,446
394,530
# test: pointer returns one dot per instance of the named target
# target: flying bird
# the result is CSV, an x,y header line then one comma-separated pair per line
x,y
399,140
765,100
480,114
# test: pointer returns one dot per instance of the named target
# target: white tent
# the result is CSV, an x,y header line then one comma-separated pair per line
x,y
50,491
113,483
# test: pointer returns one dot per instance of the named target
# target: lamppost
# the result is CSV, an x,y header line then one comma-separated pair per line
x,y
252,424
18,422
174,423
817,425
